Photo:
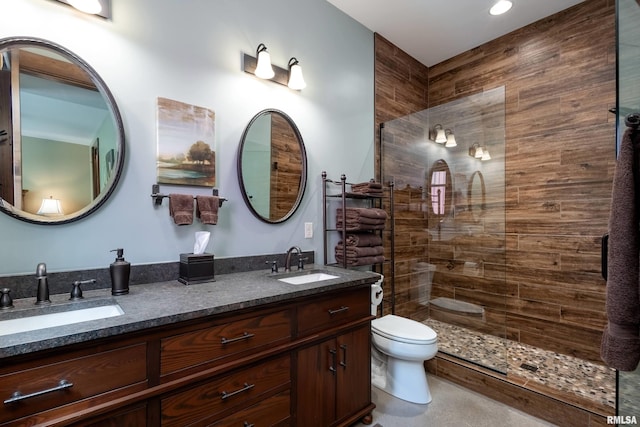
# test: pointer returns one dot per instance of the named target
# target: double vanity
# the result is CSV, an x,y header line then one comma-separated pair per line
x,y
251,348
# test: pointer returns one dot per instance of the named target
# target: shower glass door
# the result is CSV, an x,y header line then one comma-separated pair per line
x,y
628,31
447,164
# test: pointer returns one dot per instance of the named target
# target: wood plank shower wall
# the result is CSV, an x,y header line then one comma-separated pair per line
x,y
559,75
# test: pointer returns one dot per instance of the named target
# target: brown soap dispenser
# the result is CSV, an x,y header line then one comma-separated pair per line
x,y
120,270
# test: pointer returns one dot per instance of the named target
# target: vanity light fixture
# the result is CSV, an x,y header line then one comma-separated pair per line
x,y
438,135
100,8
261,67
296,81
451,139
500,7
264,70
50,207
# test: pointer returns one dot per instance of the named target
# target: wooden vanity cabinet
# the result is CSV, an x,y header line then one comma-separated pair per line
x,y
333,376
269,365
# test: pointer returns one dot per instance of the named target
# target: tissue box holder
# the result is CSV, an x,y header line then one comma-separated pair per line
x,y
196,268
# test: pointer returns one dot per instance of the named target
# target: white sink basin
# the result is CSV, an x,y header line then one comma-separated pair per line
x,y
42,321
308,278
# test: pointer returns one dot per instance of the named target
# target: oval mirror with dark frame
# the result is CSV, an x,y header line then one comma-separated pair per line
x,y
440,190
476,195
61,135
272,166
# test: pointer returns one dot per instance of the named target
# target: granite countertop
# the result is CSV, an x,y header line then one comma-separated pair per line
x,y
163,303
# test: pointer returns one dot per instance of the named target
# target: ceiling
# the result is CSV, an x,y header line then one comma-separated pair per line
x,y
434,30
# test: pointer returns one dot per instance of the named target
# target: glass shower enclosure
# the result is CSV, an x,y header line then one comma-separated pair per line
x,y
628,100
447,164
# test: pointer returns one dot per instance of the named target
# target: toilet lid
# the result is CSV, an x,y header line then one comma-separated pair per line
x,y
400,329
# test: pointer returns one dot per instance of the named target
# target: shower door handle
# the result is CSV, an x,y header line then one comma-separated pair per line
x,y
604,253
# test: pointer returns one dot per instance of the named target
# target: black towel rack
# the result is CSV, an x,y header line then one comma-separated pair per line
x,y
157,196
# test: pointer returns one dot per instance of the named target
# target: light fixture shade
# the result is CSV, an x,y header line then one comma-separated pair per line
x,y
50,207
440,137
264,70
500,7
296,81
87,6
485,154
479,153
451,139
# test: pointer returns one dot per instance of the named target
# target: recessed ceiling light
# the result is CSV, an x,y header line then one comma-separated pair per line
x,y
500,7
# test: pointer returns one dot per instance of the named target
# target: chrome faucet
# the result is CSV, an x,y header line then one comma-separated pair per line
x,y
42,296
287,260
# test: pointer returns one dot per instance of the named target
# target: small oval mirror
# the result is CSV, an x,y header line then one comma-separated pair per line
x,y
61,134
272,166
440,188
476,194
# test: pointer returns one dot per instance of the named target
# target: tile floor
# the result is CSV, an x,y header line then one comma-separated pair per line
x,y
587,384
452,406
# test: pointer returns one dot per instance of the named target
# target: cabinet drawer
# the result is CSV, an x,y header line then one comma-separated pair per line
x,y
206,345
274,411
333,311
202,402
55,384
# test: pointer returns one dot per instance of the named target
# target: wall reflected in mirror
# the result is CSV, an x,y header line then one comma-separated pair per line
x,y
64,134
272,166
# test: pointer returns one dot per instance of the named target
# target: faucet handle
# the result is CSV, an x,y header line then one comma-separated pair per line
x,y
5,299
301,260
76,292
274,266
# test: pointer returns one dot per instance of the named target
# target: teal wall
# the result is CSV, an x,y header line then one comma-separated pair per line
x,y
190,51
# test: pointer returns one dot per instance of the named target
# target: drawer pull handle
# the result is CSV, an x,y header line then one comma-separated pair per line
x,y
244,336
224,395
246,424
339,310
17,396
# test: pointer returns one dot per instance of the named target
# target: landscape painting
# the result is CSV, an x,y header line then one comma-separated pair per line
x,y
186,137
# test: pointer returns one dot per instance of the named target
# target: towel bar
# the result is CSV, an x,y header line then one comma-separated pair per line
x,y
157,196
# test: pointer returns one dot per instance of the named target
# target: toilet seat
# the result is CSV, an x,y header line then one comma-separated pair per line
x,y
404,330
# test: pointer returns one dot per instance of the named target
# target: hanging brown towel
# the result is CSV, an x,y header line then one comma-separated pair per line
x,y
620,347
207,209
181,208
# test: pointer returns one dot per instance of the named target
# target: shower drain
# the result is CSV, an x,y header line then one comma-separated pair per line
x,y
529,367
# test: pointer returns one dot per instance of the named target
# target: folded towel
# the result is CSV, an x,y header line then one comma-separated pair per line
x,y
363,240
373,213
620,346
358,252
370,188
361,260
181,208
207,209
358,226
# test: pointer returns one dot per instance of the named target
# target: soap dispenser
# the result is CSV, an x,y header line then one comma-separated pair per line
x,y
119,270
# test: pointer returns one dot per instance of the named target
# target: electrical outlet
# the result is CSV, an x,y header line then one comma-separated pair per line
x,y
308,230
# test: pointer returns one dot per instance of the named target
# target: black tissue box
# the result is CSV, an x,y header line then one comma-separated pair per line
x,y
196,268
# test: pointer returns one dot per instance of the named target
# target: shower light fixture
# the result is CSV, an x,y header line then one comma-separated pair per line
x,y
451,139
478,152
437,134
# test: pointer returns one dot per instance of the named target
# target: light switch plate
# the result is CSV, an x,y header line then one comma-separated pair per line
x,y
308,230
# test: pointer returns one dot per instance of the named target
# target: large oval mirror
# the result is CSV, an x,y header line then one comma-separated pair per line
x,y
61,135
476,194
272,166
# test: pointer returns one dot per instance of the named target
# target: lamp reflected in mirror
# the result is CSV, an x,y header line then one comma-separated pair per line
x,y
438,135
451,139
50,207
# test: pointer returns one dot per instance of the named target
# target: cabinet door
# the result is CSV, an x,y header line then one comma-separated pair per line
x,y
353,388
316,383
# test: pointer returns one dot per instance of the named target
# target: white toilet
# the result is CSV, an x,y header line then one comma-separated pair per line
x,y
400,347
